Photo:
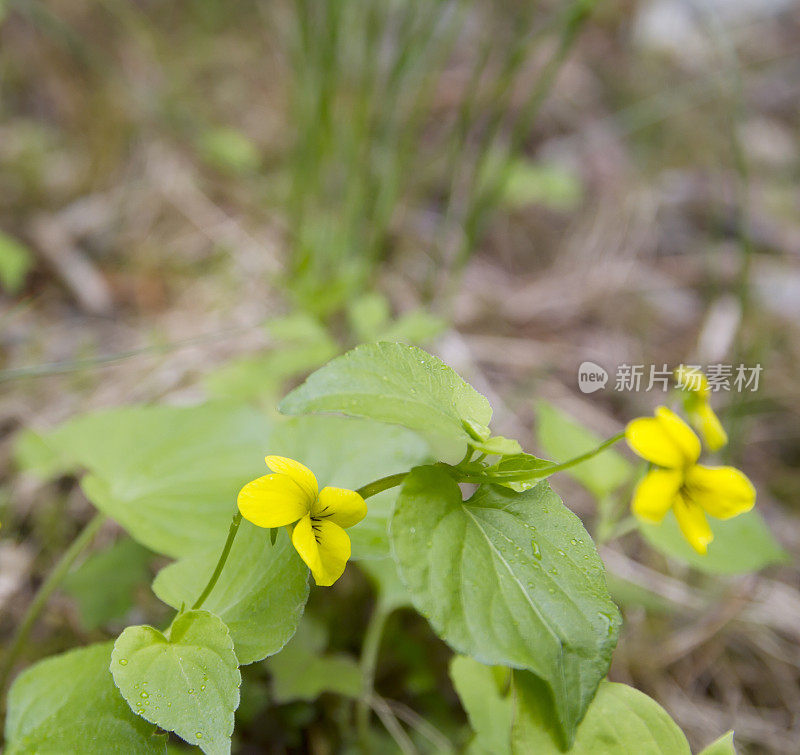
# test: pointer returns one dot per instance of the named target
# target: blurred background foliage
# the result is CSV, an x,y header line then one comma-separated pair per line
x,y
209,200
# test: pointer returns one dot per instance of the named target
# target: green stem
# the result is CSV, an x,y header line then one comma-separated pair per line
x,y
223,557
368,665
378,486
588,455
520,476
46,589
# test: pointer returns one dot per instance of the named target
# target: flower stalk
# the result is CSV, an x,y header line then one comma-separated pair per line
x,y
234,528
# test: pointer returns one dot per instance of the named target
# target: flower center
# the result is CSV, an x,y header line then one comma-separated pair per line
x,y
315,528
316,519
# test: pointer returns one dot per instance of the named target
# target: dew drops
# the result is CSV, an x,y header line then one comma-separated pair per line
x,y
199,734
144,695
202,687
574,541
536,550
123,661
191,690
554,570
561,553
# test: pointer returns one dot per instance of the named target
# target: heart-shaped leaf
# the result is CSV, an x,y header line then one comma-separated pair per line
x,y
68,703
186,681
511,579
395,383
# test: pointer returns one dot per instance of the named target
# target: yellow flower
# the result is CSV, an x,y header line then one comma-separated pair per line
x,y
696,391
690,489
291,496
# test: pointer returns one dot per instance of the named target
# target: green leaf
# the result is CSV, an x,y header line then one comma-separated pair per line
x,y
36,454
621,720
524,469
741,545
260,595
510,579
489,708
562,438
68,703
722,746
186,681
394,383
498,446
15,260
104,585
302,671
168,475
149,466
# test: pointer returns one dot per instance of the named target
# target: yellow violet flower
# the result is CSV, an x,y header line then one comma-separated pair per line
x,y
695,389
690,489
291,496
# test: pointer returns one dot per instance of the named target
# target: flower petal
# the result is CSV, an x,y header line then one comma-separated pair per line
x,y
693,524
647,438
723,492
682,435
665,439
656,493
341,506
298,472
273,501
324,546
708,425
305,543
